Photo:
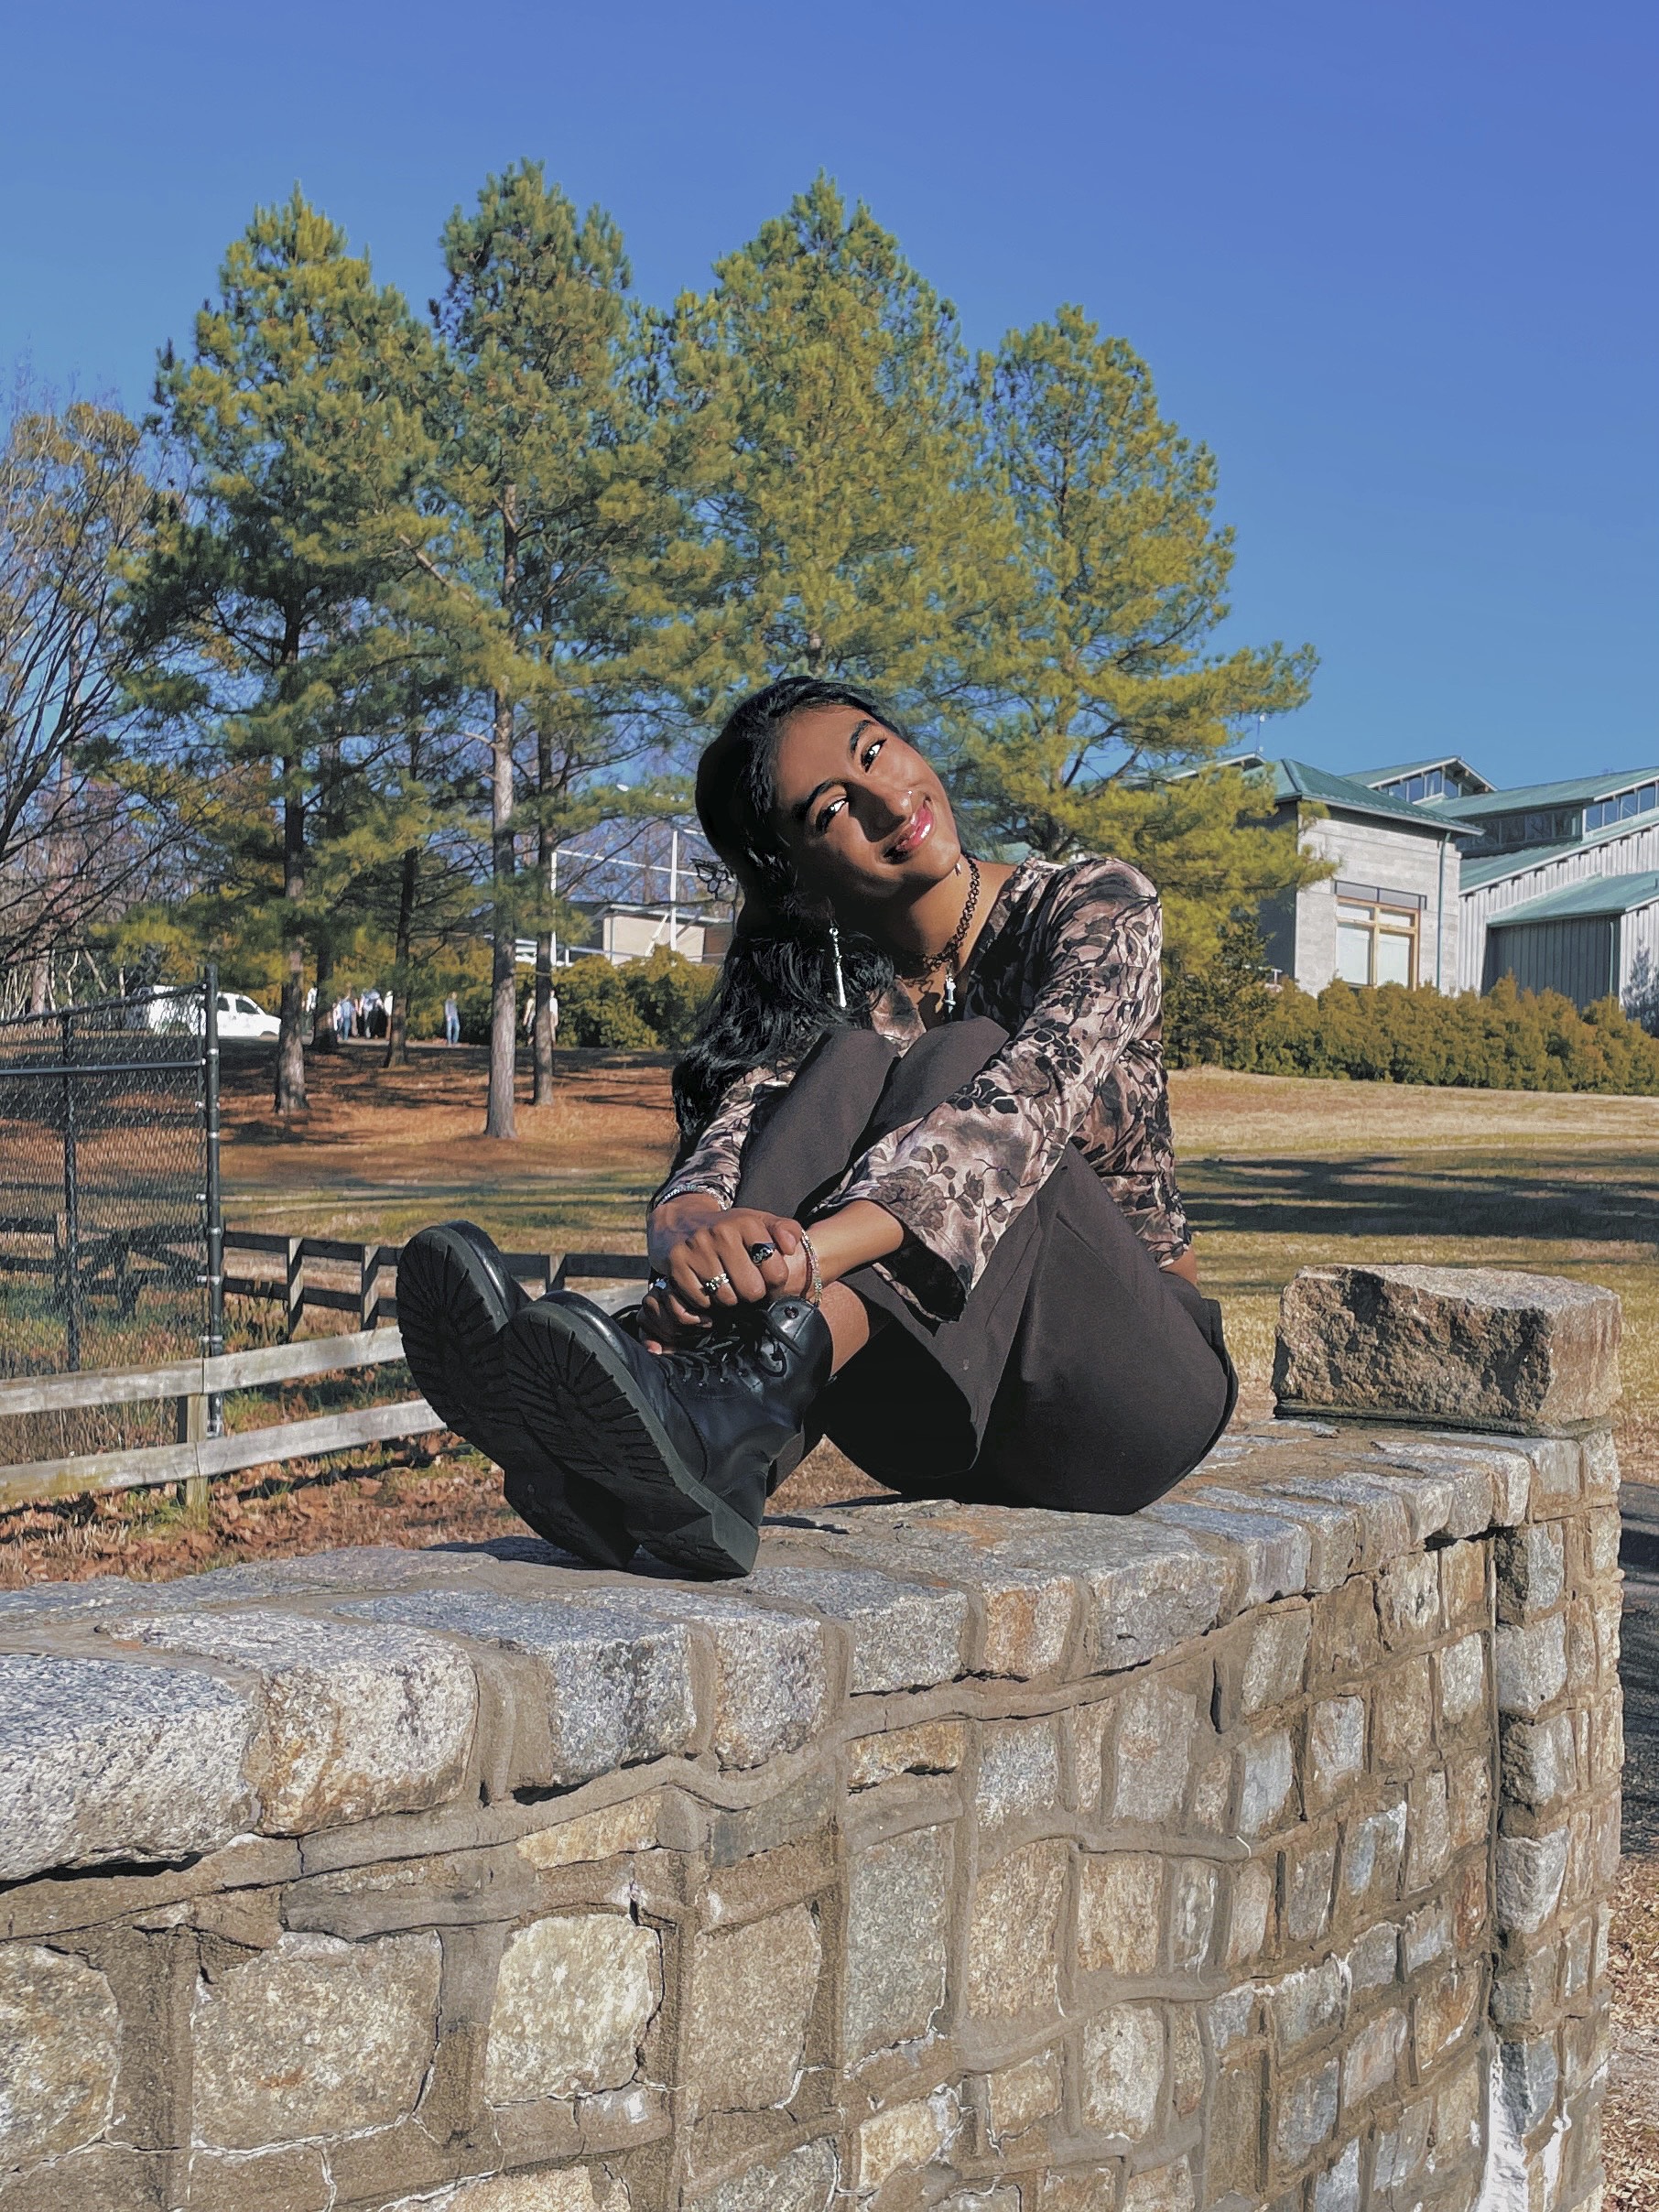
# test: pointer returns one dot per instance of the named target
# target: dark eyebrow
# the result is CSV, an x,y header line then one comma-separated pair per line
x,y
830,782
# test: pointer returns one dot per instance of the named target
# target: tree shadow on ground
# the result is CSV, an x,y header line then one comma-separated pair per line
x,y
1605,1197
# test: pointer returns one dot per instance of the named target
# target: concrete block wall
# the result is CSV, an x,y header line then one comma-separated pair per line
x,y
1251,1852
1394,859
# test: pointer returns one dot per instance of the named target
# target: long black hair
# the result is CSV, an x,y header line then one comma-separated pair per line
x,y
776,992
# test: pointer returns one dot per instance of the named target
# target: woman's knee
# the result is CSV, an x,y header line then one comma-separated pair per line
x,y
938,1064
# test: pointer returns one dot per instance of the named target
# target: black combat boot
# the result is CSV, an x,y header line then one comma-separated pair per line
x,y
685,1441
455,1295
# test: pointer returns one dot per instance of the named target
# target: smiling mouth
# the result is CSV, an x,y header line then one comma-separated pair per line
x,y
918,827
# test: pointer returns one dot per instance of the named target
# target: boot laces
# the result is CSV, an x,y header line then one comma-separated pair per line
x,y
731,1358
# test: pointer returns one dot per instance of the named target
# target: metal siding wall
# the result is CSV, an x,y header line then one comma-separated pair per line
x,y
1640,935
1573,957
1627,855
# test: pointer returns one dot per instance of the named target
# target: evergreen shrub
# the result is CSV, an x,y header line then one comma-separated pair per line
x,y
640,1006
1228,1015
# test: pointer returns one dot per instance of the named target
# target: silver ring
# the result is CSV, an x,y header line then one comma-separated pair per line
x,y
714,1282
758,1252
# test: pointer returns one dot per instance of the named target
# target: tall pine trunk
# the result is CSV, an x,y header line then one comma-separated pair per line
x,y
403,967
499,1117
324,1037
290,1043
541,1034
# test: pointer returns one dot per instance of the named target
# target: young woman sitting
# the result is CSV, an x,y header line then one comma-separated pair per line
x,y
924,1201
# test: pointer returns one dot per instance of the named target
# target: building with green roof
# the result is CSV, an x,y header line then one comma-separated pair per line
x,y
1527,844
1595,939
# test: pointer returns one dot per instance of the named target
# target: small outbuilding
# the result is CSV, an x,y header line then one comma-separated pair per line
x,y
1594,939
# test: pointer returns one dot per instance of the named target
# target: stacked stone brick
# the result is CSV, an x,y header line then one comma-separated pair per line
x,y
1251,1852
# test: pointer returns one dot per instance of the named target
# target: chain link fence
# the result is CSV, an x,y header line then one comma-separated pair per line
x,y
110,1240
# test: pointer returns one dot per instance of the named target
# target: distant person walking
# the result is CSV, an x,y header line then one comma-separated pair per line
x,y
552,1016
452,1021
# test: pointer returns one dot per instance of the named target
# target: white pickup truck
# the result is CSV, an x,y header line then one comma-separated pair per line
x,y
240,1016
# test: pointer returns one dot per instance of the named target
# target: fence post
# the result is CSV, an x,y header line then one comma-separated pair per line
x,y
212,1196
194,1419
294,1293
72,1200
368,1287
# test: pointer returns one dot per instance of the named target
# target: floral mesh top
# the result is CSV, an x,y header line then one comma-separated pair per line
x,y
1067,963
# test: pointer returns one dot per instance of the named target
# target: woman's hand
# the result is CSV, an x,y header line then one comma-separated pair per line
x,y
695,1241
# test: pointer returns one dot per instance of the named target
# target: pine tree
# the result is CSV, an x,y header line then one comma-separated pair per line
x,y
302,460
551,462
827,456
1097,717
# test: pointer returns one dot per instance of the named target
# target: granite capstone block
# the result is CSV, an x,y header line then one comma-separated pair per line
x,y
905,1635
356,1722
1275,1553
618,1690
771,1668
1482,1347
1333,1530
1027,1613
104,1759
1381,1521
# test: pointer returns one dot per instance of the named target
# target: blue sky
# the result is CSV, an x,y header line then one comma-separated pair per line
x,y
1391,260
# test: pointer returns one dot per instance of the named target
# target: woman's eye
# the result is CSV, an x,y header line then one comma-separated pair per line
x,y
871,753
829,814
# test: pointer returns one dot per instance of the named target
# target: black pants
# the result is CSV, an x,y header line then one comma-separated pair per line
x,y
1079,1374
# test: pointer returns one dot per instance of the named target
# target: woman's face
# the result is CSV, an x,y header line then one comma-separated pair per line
x,y
862,816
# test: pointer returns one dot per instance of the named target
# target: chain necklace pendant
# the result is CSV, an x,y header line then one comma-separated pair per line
x,y
949,996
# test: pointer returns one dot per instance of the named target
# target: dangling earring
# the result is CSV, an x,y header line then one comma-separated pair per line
x,y
840,981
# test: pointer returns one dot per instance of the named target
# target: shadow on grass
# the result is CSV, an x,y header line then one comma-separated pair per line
x,y
1614,1200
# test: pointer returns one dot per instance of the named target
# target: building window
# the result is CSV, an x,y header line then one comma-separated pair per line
x,y
1640,799
1430,784
1377,943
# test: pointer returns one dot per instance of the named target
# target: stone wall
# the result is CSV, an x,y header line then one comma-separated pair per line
x,y
1251,1851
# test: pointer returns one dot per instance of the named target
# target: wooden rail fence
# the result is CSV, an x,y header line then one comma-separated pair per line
x,y
327,1274
199,1385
